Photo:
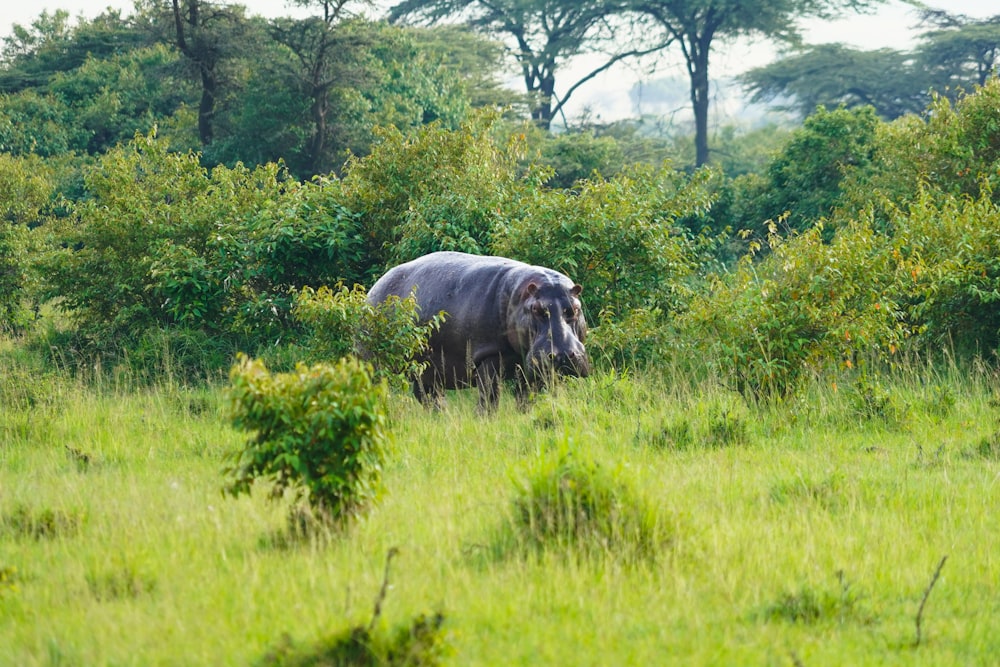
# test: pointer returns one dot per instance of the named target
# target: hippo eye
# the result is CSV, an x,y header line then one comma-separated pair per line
x,y
570,313
540,312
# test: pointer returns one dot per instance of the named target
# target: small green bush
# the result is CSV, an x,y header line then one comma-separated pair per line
x,y
388,335
567,501
809,606
319,432
420,644
48,523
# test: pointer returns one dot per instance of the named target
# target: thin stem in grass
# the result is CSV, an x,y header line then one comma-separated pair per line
x,y
923,601
393,551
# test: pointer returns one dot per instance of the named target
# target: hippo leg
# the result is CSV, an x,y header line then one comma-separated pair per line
x,y
522,389
488,381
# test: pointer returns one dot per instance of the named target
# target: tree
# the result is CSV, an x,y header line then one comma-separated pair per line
x,y
836,75
319,47
960,50
31,55
544,34
207,34
954,53
695,25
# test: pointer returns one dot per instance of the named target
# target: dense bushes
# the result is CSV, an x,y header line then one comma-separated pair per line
x,y
340,322
162,242
433,190
881,236
616,237
28,190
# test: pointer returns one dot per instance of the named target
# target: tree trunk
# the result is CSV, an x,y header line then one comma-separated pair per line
x,y
206,108
698,71
542,113
317,144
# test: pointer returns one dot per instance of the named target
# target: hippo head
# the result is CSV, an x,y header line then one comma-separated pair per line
x,y
551,328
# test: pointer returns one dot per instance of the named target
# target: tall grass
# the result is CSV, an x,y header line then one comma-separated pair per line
x,y
804,532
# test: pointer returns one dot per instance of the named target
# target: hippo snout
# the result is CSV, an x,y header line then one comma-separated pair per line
x,y
572,362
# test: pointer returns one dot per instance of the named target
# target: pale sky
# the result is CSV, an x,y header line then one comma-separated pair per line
x,y
890,27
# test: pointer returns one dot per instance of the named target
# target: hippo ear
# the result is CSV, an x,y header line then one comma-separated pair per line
x,y
531,288
576,290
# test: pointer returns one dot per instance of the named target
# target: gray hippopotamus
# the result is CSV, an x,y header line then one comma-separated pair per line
x,y
504,319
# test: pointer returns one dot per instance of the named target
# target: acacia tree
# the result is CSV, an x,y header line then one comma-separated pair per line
x,y
542,35
695,26
833,75
961,49
954,53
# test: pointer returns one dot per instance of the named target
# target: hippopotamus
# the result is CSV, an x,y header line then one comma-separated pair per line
x,y
504,319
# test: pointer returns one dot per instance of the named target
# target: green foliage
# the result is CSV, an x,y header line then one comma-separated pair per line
x,y
569,502
24,521
575,156
616,237
953,148
164,243
806,303
947,250
639,338
389,335
421,644
803,182
143,249
318,432
436,190
27,187
808,605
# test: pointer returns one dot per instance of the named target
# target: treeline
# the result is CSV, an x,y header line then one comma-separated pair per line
x,y
853,240
236,88
859,239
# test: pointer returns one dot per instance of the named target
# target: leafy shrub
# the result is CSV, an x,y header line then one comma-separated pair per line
x,y
389,335
309,237
804,181
150,245
27,187
435,190
23,521
319,432
806,303
947,251
808,606
162,243
420,644
639,338
954,146
575,156
570,502
616,237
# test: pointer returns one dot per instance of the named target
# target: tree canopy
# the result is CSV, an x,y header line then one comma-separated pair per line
x,y
542,35
694,27
954,52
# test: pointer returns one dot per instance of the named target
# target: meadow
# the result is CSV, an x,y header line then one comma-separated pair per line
x,y
852,524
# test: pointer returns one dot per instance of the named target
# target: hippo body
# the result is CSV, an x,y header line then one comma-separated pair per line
x,y
504,319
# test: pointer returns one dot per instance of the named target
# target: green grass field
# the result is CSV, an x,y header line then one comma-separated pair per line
x,y
801,534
